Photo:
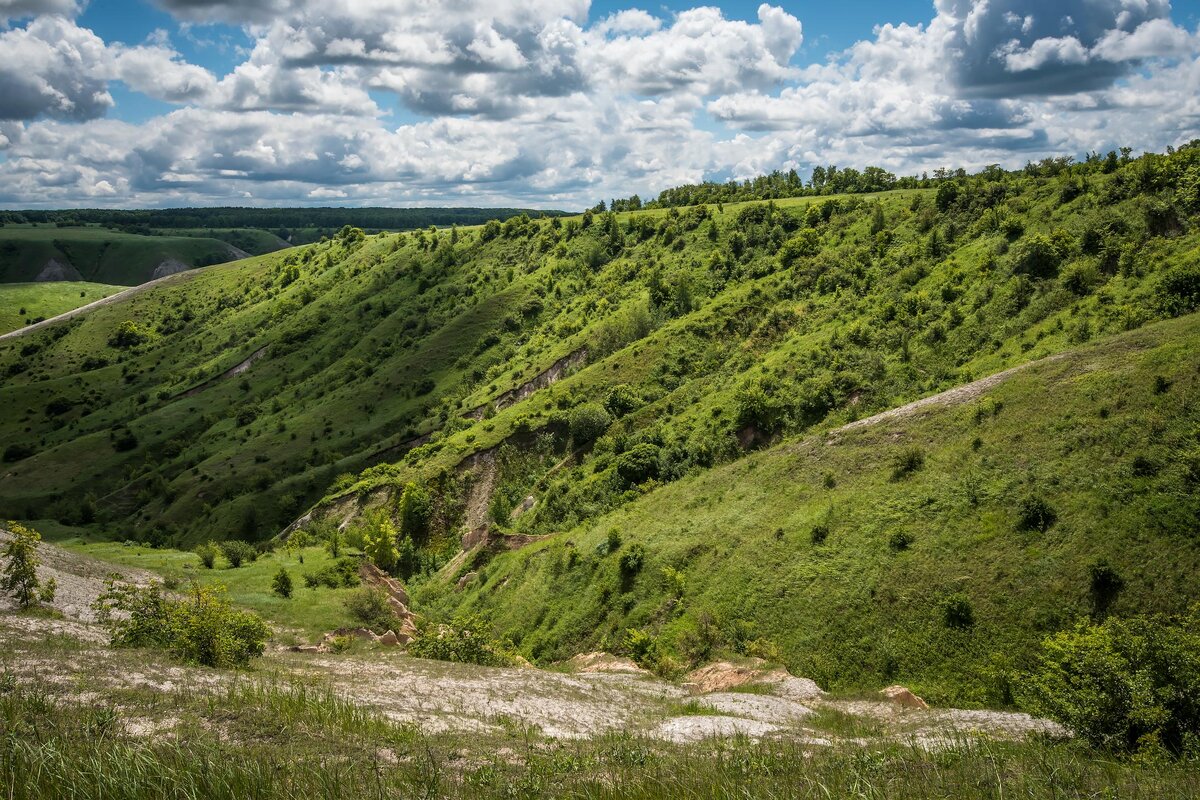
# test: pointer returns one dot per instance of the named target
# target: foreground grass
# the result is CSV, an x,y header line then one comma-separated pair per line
x,y
265,739
45,300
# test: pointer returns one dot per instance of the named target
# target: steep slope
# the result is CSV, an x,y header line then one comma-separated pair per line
x,y
565,368
1068,488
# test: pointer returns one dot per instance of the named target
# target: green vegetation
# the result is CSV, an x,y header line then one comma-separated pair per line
x,y
201,627
19,578
22,304
636,419
269,740
73,254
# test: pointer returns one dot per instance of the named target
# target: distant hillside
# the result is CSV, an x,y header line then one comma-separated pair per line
x,y
25,303
44,253
274,219
537,384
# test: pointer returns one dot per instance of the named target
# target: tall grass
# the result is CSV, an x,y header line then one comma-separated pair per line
x,y
298,742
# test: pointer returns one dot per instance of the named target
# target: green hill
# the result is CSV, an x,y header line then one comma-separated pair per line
x,y
568,377
22,303
44,254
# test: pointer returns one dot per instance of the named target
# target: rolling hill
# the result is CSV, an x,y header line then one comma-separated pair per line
x,y
612,430
25,303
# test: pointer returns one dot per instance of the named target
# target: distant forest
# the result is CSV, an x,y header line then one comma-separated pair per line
x,y
370,219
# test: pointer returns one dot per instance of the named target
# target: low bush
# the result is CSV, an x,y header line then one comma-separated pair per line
x,y
281,584
1125,685
208,554
238,552
369,605
906,463
1035,514
466,640
342,573
200,627
587,422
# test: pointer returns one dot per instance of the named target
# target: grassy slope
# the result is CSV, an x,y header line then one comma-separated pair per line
x,y
98,254
44,300
254,241
853,612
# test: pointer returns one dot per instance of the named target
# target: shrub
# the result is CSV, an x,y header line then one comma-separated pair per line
x,y
281,584
1035,514
621,399
819,534
208,554
900,540
344,572
416,508
1036,256
465,640
587,422
236,552
17,452
1123,685
631,560
957,612
19,578
1178,290
638,463
379,541
906,463
129,334
201,627
1105,585
369,605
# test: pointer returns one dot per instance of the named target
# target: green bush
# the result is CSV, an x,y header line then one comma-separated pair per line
x,y
207,553
1123,685
281,584
201,627
1178,291
19,577
631,560
957,612
129,334
466,641
369,605
639,463
819,534
587,422
1036,256
907,462
237,552
343,572
1035,514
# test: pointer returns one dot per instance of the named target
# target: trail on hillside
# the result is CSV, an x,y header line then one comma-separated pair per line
x,y
950,397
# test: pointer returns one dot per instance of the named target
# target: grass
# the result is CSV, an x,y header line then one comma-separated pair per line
x,y
45,300
308,614
267,741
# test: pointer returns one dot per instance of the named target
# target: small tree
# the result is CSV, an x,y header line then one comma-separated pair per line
x,y
281,584
379,542
587,422
19,578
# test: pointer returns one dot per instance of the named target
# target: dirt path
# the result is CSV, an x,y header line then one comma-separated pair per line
x,y
104,301
232,372
950,397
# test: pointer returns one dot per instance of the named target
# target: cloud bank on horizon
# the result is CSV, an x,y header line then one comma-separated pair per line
x,y
545,103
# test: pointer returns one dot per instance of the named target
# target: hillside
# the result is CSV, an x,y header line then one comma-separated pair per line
x,y
620,371
44,254
24,303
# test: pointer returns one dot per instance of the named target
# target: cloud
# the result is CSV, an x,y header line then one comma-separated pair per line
x,y
52,68
159,72
21,9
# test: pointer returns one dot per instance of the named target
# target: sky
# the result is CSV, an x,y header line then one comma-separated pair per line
x,y
562,103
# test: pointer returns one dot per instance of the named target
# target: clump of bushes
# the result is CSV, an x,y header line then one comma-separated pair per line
x,y
1124,685
587,422
369,605
129,334
466,640
201,627
957,612
281,584
343,572
237,552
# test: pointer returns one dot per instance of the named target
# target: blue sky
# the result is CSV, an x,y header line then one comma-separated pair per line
x,y
562,102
